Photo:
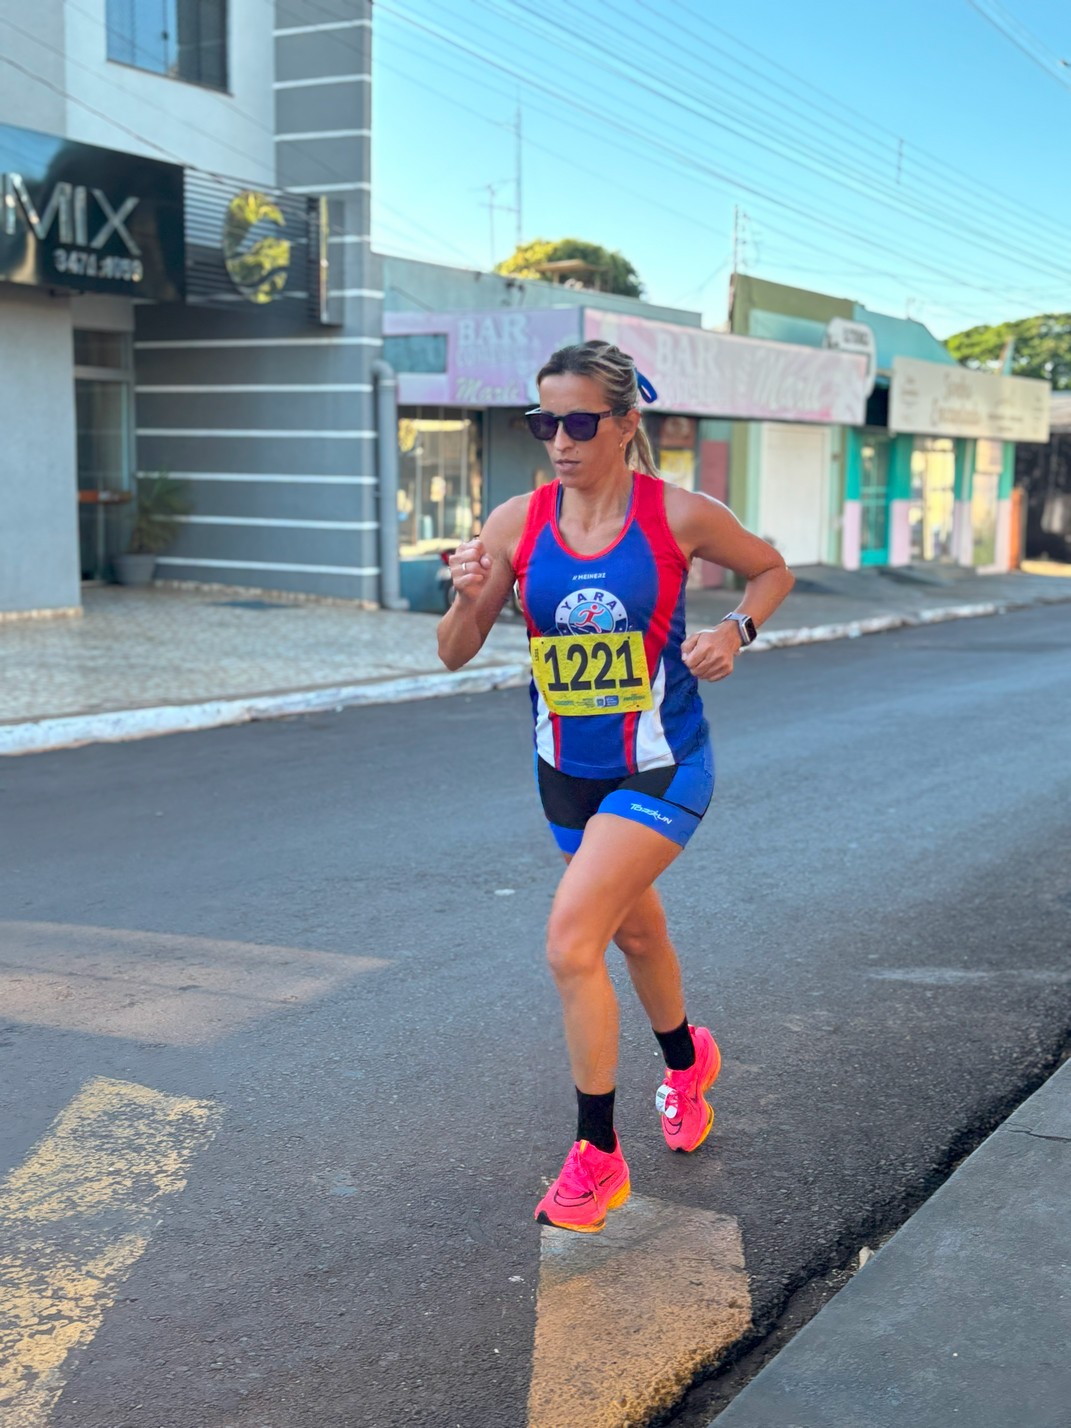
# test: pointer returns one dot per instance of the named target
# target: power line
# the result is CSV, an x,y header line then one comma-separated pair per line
x,y
833,236
530,143
825,247
715,175
870,187
975,185
1004,28
169,154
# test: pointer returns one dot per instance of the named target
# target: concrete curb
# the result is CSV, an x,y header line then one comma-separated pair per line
x,y
68,731
962,1316
879,624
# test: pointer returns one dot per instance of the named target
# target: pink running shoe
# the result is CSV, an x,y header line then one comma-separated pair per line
x,y
687,1118
591,1182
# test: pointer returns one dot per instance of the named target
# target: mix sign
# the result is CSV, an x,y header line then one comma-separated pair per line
x,y
74,215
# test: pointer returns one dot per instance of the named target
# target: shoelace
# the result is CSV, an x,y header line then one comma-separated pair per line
x,y
667,1097
576,1177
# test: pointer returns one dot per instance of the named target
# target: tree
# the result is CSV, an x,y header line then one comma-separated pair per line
x,y
609,272
1042,347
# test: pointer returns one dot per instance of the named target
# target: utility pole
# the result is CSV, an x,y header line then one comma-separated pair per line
x,y
493,208
517,179
740,237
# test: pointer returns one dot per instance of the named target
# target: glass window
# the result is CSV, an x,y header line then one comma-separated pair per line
x,y
100,349
989,456
186,39
103,435
933,490
104,465
873,499
440,478
103,400
988,464
416,352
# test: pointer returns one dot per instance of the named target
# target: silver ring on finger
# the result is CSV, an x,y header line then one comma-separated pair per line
x,y
464,567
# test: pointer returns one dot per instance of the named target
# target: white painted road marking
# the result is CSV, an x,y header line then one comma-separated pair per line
x,y
626,1318
167,987
74,1220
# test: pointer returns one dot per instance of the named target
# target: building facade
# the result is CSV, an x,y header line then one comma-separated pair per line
x,y
187,284
467,347
1043,476
926,476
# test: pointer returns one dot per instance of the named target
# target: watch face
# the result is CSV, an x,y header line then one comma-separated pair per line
x,y
748,628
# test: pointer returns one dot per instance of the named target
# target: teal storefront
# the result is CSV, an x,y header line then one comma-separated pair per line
x,y
927,493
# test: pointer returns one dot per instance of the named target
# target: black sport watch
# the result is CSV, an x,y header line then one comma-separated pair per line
x,y
745,624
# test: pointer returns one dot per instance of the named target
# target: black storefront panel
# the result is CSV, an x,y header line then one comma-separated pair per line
x,y
89,219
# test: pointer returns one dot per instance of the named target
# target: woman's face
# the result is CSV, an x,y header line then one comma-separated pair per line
x,y
579,462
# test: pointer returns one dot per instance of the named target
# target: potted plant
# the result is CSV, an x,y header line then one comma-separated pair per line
x,y
160,500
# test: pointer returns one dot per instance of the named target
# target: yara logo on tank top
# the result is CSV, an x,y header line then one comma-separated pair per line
x,y
591,612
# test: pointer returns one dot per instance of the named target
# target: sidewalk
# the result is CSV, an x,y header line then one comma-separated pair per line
x,y
162,660
963,1317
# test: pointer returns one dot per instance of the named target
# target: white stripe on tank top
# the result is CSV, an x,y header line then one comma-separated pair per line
x,y
544,733
652,746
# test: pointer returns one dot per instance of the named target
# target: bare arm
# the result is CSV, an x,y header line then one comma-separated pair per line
x,y
708,530
482,571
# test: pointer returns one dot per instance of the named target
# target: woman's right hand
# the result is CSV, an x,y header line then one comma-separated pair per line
x,y
470,566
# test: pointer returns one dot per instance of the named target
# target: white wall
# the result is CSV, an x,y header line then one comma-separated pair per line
x,y
32,84
39,561
229,134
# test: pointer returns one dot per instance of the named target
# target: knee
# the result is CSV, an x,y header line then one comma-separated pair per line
x,y
570,953
633,941
641,938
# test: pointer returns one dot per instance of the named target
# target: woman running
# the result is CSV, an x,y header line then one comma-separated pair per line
x,y
623,758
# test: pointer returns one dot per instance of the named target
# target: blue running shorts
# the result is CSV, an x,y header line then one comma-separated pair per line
x,y
671,799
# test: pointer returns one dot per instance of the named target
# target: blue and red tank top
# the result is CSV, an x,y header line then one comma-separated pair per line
x,y
636,583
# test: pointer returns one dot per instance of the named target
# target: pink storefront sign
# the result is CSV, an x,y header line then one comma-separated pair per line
x,y
718,374
492,357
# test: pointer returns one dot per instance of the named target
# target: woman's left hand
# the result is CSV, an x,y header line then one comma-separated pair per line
x,y
710,654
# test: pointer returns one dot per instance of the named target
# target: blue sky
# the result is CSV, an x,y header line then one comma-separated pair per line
x,y
909,156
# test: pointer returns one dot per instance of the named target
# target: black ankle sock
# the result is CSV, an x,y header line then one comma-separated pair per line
x,y
595,1120
677,1047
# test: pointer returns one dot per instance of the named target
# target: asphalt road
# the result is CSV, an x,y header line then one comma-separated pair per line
x,y
295,942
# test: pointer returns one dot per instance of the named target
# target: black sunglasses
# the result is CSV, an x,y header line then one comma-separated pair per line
x,y
581,426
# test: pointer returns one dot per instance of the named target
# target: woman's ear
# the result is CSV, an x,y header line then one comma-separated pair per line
x,y
627,424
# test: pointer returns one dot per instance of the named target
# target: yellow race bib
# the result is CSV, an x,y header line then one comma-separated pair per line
x,y
592,674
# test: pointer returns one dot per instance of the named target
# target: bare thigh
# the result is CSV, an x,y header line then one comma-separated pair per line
x,y
607,882
643,923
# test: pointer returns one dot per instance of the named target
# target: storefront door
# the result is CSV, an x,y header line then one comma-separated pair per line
x,y
985,490
103,399
793,507
874,500
440,493
933,497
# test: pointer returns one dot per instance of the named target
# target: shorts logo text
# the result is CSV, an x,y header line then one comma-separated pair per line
x,y
651,813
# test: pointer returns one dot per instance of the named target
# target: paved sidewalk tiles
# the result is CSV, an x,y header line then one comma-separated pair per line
x,y
153,661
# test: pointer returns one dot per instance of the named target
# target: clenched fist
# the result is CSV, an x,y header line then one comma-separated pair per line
x,y
710,654
469,567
